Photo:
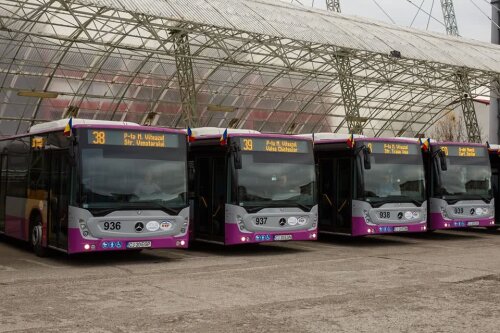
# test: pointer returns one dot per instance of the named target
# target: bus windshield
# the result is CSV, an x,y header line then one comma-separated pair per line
x,y
394,178
276,179
133,177
465,178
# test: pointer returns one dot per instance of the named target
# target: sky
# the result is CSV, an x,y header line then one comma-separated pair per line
x,y
472,23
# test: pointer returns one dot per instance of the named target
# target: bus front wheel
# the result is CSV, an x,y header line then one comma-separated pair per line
x,y
36,236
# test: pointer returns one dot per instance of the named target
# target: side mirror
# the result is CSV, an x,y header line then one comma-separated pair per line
x,y
366,158
236,151
442,160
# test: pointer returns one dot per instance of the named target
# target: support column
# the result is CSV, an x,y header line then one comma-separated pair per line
x,y
470,118
185,77
333,5
462,81
351,103
347,87
450,19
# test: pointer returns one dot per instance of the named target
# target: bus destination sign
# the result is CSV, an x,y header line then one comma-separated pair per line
x,y
393,148
274,145
132,138
463,151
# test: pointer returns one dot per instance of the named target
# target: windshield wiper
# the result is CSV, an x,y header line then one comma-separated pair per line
x,y
135,206
395,198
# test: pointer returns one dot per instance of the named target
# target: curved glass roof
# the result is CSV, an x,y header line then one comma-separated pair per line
x,y
264,65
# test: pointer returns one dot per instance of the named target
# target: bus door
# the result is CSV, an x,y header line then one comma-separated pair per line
x,y
210,203
495,182
342,203
60,175
3,189
326,194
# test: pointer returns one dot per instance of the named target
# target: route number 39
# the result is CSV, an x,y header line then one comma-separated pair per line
x,y
247,144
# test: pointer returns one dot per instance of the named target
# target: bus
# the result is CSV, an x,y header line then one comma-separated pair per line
x,y
494,152
459,185
250,187
369,186
109,186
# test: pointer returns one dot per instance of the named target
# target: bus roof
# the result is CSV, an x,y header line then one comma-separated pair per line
x,y
449,143
61,124
337,137
201,132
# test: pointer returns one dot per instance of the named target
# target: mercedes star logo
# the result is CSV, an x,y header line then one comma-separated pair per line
x,y
282,221
400,215
139,226
472,211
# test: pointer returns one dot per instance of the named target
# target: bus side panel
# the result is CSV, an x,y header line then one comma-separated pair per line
x,y
16,224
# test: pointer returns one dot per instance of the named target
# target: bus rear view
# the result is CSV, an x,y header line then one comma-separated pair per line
x,y
253,187
370,186
459,184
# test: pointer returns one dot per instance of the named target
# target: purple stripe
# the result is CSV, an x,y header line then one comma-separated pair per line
x,y
463,144
233,235
397,140
360,228
131,128
437,222
76,242
254,135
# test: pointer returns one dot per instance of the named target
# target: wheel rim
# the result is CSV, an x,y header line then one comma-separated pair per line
x,y
36,235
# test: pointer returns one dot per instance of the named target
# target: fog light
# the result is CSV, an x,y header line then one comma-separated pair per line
x,y
243,239
86,247
314,235
369,230
424,227
183,242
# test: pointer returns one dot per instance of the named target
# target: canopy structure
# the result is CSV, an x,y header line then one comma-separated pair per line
x,y
255,64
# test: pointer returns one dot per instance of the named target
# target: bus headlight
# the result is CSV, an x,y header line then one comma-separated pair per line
x,y
239,219
479,211
485,211
367,217
443,212
408,215
415,215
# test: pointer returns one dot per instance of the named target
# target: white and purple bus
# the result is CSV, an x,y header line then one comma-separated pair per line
x,y
109,186
252,187
459,185
370,186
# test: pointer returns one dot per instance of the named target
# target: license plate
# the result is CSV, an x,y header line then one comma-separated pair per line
x,y
472,224
399,229
138,245
283,237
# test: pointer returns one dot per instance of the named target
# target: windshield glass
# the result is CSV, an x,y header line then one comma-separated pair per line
x,y
465,177
273,179
394,178
116,176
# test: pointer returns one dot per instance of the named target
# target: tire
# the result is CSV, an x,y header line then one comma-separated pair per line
x,y
36,236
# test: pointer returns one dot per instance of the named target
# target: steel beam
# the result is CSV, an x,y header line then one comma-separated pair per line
x,y
351,103
185,77
467,103
461,79
333,5
450,19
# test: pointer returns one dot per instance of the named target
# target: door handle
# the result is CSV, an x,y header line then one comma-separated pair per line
x,y
202,199
325,196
